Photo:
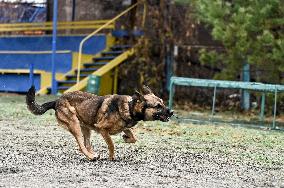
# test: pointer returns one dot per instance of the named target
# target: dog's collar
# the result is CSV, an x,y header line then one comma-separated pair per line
x,y
136,116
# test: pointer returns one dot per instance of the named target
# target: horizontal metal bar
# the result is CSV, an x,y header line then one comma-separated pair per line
x,y
19,71
50,23
60,27
227,84
44,25
35,52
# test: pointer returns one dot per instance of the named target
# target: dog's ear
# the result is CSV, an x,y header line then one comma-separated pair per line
x,y
138,97
146,90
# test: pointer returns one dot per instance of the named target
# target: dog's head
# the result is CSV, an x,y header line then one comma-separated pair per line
x,y
150,107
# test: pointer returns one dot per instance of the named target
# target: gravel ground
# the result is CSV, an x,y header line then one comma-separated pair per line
x,y
35,152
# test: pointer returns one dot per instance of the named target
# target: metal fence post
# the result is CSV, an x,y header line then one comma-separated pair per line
x,y
262,107
214,100
245,93
169,65
171,94
275,109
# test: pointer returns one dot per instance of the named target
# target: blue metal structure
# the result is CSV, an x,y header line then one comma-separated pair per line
x,y
18,82
39,59
31,74
54,33
44,43
20,51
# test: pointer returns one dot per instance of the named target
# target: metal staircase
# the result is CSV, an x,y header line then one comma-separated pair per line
x,y
90,68
101,68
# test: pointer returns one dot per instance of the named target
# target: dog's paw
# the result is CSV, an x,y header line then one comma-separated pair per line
x,y
125,136
128,139
111,158
95,158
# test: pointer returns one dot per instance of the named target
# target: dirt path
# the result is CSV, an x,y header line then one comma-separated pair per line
x,y
35,152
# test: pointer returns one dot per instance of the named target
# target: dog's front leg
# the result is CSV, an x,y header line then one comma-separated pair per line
x,y
109,142
129,137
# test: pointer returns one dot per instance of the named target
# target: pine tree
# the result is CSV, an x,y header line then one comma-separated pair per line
x,y
250,31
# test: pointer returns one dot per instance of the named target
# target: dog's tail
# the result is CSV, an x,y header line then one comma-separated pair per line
x,y
36,108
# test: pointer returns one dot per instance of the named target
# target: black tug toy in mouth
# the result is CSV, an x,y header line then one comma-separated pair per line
x,y
164,117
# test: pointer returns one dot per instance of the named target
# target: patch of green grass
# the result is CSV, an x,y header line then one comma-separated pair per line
x,y
244,145
13,107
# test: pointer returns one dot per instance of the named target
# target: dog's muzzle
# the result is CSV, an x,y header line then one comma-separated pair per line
x,y
163,115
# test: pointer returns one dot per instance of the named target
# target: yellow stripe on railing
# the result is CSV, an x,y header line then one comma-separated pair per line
x,y
104,69
60,26
50,23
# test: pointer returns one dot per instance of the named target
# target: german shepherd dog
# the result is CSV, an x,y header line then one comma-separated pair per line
x,y
81,112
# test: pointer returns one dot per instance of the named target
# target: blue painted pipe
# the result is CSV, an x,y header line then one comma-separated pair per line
x,y
31,74
54,88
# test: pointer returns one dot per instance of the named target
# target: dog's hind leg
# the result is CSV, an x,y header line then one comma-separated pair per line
x,y
109,142
69,120
75,129
87,134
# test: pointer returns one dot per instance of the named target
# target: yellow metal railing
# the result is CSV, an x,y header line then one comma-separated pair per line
x,y
45,26
102,27
103,70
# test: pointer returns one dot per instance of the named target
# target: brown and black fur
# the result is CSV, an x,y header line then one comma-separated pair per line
x,y
80,113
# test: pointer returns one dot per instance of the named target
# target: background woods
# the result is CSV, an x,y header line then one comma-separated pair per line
x,y
214,40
